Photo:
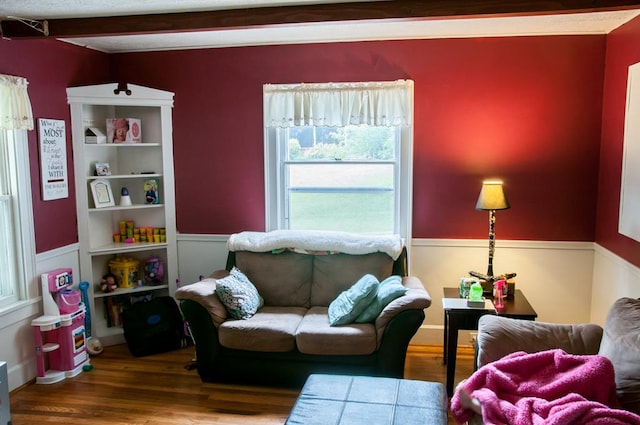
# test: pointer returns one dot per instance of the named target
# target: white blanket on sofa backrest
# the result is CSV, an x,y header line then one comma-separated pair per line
x,y
316,240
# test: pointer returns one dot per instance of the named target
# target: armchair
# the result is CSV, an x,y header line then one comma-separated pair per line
x,y
618,341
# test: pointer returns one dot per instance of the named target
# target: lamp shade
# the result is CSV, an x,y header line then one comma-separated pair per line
x,y
492,196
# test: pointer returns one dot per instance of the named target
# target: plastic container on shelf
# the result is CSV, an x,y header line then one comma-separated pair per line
x,y
126,271
153,271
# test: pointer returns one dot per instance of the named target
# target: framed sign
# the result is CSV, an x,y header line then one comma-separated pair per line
x,y
53,159
102,195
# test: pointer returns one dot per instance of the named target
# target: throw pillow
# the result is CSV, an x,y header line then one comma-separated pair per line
x,y
387,291
238,295
351,302
621,344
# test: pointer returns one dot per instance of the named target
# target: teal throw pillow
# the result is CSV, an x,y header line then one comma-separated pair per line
x,y
238,295
351,302
388,290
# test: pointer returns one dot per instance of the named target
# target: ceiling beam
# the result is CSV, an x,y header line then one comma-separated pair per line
x,y
290,15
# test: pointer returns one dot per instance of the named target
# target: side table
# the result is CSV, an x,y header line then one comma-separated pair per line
x,y
458,316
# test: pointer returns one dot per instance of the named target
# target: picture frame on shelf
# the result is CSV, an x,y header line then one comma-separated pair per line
x,y
124,130
102,194
151,193
103,169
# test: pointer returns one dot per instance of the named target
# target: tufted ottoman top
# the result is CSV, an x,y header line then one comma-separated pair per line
x,y
366,400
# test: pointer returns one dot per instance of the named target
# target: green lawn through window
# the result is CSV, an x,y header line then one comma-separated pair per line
x,y
369,212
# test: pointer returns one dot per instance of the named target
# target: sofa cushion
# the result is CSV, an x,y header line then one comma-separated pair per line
x,y
272,329
316,336
239,296
265,270
353,301
388,290
332,274
621,344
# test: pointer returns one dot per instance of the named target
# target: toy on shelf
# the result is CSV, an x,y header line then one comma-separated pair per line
x,y
125,199
131,234
153,271
59,335
125,271
108,283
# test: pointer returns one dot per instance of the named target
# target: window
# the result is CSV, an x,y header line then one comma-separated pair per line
x,y
17,240
346,176
16,243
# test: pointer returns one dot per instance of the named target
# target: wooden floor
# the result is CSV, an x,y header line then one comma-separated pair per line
x,y
159,390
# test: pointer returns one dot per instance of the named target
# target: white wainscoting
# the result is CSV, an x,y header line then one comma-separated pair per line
x,y
613,278
200,255
554,276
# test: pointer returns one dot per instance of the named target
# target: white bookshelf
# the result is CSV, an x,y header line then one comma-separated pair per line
x,y
130,165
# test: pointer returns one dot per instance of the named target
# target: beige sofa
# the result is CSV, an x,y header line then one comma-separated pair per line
x,y
290,336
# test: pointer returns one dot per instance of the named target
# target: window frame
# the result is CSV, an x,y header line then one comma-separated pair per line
x,y
24,243
275,182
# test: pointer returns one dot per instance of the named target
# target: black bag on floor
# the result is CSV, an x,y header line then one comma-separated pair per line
x,y
153,327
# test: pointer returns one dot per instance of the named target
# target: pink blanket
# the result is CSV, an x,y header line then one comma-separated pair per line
x,y
549,387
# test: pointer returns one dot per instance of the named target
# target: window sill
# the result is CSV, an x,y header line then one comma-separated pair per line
x,y
20,311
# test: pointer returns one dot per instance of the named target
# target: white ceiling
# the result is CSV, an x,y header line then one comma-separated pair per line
x,y
50,9
560,24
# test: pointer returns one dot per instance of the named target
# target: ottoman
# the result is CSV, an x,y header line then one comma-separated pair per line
x,y
367,400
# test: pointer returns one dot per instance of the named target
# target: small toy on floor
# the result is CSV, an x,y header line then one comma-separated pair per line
x,y
94,346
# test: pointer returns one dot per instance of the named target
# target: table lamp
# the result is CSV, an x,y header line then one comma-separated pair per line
x,y
491,198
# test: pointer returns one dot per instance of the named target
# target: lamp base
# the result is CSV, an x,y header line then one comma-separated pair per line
x,y
488,280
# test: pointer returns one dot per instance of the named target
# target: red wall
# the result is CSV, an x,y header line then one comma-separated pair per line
x,y
50,67
622,51
527,110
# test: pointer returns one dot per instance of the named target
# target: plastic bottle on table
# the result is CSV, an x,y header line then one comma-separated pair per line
x,y
475,292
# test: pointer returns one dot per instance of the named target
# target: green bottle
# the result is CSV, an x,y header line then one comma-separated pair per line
x,y
475,292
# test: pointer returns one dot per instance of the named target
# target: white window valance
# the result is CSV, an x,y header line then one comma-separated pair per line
x,y
338,104
15,107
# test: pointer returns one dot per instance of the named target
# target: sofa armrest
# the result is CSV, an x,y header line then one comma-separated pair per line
x,y
204,293
392,352
499,336
416,298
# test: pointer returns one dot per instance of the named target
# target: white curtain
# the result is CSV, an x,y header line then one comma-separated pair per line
x,y
15,107
338,104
